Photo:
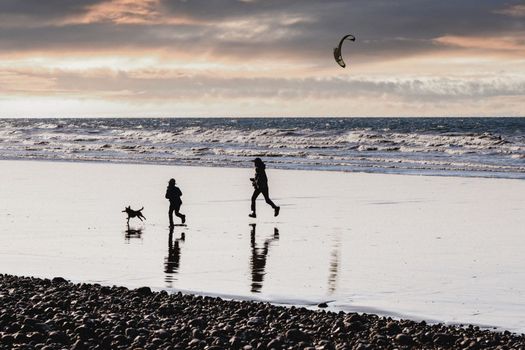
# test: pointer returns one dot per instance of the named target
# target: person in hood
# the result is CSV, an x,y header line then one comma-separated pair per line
x,y
260,185
173,194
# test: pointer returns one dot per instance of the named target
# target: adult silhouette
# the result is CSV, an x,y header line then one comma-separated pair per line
x,y
260,185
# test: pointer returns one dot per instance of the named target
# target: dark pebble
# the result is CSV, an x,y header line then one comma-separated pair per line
x,y
143,291
55,314
296,335
403,339
59,280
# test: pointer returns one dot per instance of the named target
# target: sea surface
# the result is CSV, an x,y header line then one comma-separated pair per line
x,y
471,147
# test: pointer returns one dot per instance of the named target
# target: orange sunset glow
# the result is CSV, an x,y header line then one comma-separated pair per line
x,y
167,58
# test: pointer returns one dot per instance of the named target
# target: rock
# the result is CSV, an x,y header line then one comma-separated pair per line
x,y
194,342
296,335
403,339
78,345
322,305
84,332
42,314
162,334
198,322
393,328
275,344
58,337
165,309
443,339
143,291
255,321
235,342
59,280
19,338
131,333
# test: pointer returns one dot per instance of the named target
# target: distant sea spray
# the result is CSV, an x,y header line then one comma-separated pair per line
x,y
486,147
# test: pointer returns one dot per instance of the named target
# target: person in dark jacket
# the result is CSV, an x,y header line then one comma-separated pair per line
x,y
260,185
173,193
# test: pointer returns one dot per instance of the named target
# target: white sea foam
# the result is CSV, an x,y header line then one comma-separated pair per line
x,y
292,144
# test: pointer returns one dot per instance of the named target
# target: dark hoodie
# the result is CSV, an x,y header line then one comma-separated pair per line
x,y
173,193
260,176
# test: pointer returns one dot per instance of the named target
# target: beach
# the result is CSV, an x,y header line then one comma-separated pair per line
x,y
440,249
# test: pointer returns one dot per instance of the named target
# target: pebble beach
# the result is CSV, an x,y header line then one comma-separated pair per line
x,y
55,314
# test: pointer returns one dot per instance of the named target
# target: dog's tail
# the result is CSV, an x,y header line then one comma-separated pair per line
x,y
140,209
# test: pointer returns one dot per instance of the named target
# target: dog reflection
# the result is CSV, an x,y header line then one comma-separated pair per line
x,y
172,261
258,259
132,233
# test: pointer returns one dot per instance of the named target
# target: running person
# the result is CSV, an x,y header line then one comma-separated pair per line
x,y
173,193
260,185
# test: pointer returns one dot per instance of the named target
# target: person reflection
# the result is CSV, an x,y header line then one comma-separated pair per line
x,y
334,270
172,261
258,259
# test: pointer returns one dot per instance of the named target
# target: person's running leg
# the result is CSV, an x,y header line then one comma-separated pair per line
x,y
269,201
180,215
255,194
170,213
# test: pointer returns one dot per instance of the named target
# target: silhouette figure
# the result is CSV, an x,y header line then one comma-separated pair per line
x,y
173,193
134,213
258,260
260,185
172,261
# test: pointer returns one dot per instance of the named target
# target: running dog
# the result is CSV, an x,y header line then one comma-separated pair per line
x,y
134,213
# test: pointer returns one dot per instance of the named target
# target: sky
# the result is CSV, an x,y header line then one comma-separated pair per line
x,y
257,58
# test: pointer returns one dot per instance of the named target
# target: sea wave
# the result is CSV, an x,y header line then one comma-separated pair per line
x,y
493,147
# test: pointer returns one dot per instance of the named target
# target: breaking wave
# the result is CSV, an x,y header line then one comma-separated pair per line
x,y
490,147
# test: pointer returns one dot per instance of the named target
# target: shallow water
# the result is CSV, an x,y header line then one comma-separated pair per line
x,y
436,248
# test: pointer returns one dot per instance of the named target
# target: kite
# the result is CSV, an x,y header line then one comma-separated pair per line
x,y
337,51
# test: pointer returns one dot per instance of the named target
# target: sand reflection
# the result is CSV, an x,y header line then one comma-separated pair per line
x,y
258,258
172,261
132,233
334,267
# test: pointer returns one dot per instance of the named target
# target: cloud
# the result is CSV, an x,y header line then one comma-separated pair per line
x,y
513,11
161,85
301,30
121,12
27,13
412,53
487,43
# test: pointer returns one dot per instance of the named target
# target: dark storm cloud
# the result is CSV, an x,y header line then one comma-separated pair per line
x,y
303,29
101,36
26,12
369,20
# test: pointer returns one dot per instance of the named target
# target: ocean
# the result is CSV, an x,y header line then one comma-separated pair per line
x,y
472,147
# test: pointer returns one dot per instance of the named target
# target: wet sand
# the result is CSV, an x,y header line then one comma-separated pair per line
x,y
442,249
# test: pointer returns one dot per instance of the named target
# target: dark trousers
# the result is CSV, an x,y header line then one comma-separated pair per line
x,y
174,207
264,192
